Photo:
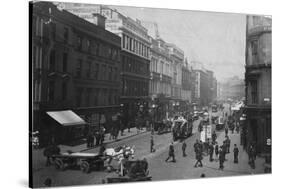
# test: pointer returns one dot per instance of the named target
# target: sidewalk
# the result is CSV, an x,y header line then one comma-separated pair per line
x,y
38,159
242,167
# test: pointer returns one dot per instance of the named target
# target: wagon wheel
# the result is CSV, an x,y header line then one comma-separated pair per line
x,y
85,167
59,164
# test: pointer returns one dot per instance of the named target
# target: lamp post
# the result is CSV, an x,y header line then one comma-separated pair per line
x,y
154,113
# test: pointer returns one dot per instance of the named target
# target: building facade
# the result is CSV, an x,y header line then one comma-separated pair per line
x,y
135,54
177,58
258,82
76,66
160,88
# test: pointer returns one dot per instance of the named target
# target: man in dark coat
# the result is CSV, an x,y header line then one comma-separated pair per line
x,y
211,152
227,141
224,150
196,145
221,158
235,152
214,137
152,145
199,157
217,151
171,153
226,131
183,149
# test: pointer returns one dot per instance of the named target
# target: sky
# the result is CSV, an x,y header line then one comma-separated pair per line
x,y
217,40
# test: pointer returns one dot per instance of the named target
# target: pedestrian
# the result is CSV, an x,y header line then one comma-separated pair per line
x,y
221,158
171,153
224,150
48,153
217,150
102,149
211,152
227,142
48,182
198,157
152,145
183,149
196,145
226,130
214,137
88,140
251,153
235,152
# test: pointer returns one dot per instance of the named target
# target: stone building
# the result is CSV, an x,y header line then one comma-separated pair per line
x,y
258,82
76,66
135,54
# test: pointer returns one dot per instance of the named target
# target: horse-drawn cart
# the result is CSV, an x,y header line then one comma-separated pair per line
x,y
134,171
85,161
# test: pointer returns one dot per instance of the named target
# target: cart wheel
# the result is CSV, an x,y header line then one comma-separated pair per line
x,y
59,164
85,167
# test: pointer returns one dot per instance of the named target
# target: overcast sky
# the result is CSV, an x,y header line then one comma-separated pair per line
x,y
215,39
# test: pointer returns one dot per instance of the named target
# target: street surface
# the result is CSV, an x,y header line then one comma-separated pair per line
x,y
158,168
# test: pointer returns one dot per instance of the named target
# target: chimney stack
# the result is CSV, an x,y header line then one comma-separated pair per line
x,y
99,20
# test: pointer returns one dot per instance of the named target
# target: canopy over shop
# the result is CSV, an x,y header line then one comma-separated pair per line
x,y
71,126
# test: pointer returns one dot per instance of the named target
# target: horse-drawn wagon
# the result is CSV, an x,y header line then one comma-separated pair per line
x,y
133,171
85,161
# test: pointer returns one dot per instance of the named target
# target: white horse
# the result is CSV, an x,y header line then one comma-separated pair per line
x,y
119,154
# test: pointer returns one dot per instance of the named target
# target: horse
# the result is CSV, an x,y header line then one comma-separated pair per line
x,y
119,154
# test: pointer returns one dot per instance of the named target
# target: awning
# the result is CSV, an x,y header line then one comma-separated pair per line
x,y
66,118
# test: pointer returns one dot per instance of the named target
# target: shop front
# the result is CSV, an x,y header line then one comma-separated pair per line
x,y
66,126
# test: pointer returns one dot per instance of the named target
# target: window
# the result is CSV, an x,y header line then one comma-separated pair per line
x,y
65,35
95,100
103,72
115,74
53,30
79,43
51,91
132,44
37,90
96,76
254,91
88,46
64,62
110,74
64,90
79,91
52,62
88,97
254,45
79,68
98,49
89,69
123,41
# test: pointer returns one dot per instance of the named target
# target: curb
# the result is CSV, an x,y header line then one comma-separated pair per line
x,y
113,141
